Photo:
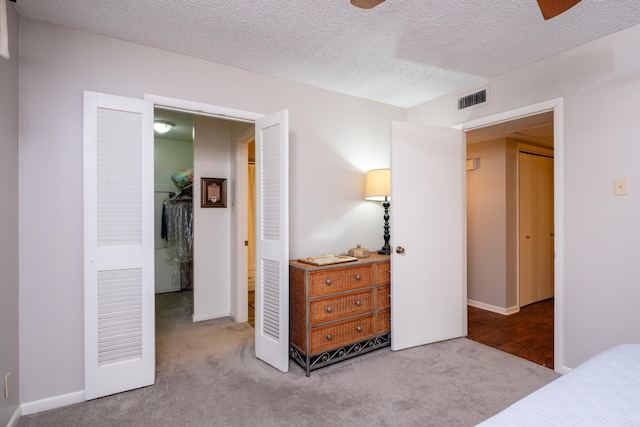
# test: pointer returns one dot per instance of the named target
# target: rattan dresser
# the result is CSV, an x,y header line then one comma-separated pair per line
x,y
338,311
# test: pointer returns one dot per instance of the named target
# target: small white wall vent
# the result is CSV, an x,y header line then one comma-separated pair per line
x,y
476,98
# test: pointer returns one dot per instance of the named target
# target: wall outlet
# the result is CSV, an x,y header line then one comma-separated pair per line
x,y
7,385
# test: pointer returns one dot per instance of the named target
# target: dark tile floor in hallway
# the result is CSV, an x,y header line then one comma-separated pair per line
x,y
527,334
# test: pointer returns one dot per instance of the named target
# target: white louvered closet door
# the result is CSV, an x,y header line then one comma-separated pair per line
x,y
272,240
118,244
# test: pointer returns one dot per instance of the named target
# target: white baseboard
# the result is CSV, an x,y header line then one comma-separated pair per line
x,y
493,308
13,422
52,402
201,317
564,370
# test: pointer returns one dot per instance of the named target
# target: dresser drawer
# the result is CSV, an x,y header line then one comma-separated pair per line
x,y
333,308
383,322
383,297
383,273
333,280
337,334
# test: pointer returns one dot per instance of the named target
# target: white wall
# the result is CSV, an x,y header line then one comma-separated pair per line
x,y
9,291
334,139
212,226
492,226
600,85
486,224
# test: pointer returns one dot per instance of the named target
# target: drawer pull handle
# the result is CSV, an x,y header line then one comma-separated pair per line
x,y
329,309
357,277
358,303
359,329
328,282
329,337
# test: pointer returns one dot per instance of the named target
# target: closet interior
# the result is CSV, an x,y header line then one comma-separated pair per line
x,y
193,241
173,203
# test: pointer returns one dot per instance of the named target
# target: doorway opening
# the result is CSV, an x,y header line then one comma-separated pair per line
x,y
204,146
510,235
272,204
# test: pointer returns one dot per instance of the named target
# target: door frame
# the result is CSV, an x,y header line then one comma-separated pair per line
x,y
239,287
555,105
239,292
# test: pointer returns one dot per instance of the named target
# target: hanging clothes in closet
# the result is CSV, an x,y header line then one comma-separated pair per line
x,y
177,229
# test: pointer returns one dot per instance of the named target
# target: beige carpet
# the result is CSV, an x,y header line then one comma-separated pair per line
x,y
207,375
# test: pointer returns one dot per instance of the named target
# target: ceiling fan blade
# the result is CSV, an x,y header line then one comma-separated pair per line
x,y
366,4
552,8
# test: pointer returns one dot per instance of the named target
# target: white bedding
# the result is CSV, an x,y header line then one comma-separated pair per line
x,y
603,391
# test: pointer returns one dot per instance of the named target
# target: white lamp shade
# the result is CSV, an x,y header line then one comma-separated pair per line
x,y
378,185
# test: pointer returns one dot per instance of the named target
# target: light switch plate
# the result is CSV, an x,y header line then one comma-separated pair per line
x,y
620,187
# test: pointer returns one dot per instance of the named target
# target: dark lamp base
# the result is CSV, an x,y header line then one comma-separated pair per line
x,y
386,248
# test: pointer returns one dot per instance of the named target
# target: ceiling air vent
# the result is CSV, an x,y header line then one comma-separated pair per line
x,y
472,99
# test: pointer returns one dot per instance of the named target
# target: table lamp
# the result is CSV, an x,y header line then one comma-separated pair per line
x,y
378,188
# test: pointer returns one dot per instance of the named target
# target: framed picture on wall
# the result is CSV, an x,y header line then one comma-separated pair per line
x,y
214,192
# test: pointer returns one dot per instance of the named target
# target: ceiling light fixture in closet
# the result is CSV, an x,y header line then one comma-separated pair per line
x,y
162,126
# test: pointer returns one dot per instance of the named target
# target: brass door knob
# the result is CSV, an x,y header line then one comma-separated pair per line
x,y
399,250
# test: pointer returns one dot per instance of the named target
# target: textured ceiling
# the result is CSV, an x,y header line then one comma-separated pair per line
x,y
401,52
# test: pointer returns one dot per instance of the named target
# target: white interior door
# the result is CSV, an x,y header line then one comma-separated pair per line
x,y
272,240
428,220
118,244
